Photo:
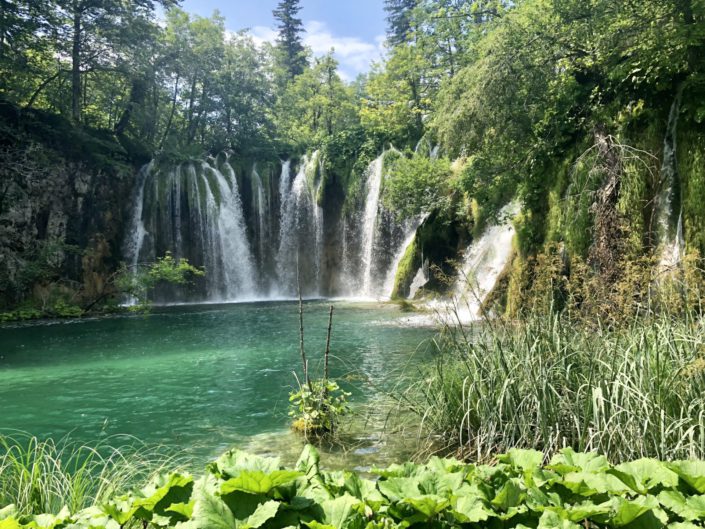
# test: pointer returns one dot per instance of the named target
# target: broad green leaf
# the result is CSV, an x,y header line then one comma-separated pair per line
x,y
398,489
308,462
50,520
697,504
257,482
683,525
340,512
522,459
467,509
645,474
589,483
441,483
94,517
510,495
627,511
675,501
184,509
586,510
209,511
552,520
264,512
8,512
406,470
121,509
163,492
231,463
429,506
570,461
692,472
10,523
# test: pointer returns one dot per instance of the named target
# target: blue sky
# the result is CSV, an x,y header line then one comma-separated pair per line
x,y
355,28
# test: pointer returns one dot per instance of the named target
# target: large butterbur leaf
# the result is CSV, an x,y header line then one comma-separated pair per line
x,y
209,510
468,509
692,472
591,483
569,460
645,474
257,482
552,520
232,462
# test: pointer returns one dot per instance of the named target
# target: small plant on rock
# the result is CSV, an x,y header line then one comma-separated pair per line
x,y
318,405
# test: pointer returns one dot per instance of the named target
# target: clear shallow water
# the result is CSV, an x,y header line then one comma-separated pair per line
x,y
199,378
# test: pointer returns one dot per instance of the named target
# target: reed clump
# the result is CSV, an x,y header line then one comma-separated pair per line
x,y
44,476
549,382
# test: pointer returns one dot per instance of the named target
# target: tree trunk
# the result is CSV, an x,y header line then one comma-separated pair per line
x,y
171,114
76,64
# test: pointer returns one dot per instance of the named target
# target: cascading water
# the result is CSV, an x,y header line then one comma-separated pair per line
x,y
670,237
137,231
262,216
483,263
299,256
369,221
251,229
374,241
194,211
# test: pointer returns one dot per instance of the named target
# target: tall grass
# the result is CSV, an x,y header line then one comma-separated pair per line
x,y
546,383
43,476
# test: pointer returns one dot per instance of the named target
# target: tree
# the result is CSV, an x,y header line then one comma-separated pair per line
x,y
399,20
316,105
292,54
91,32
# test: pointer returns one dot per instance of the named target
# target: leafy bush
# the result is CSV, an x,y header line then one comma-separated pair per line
x,y
240,490
317,406
138,282
416,185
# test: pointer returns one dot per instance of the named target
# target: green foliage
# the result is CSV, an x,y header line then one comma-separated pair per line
x,y
45,476
316,408
239,490
550,382
167,269
416,185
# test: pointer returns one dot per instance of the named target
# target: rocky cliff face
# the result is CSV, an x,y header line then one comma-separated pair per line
x,y
63,194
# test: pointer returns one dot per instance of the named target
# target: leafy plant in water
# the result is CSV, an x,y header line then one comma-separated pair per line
x,y
318,404
317,407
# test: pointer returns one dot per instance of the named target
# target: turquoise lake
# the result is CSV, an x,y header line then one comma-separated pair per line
x,y
201,379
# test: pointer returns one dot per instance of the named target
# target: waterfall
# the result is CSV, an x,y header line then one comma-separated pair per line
x,y
249,230
369,221
671,242
195,212
484,262
262,217
373,240
301,241
137,230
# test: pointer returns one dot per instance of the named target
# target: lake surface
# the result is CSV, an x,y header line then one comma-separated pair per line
x,y
204,378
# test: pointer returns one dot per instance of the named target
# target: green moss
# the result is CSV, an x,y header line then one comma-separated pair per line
x,y
408,266
691,166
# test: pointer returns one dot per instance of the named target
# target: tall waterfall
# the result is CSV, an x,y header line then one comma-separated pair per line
x,y
484,262
259,230
374,241
194,211
670,235
301,241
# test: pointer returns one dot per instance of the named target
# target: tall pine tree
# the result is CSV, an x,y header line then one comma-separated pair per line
x,y
399,20
292,54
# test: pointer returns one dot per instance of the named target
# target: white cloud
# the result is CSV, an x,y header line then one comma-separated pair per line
x,y
354,54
